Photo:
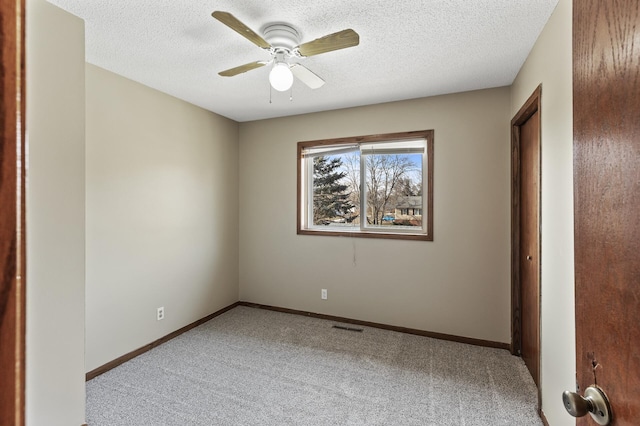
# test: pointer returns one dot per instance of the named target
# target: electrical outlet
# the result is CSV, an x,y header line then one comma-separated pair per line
x,y
323,294
160,313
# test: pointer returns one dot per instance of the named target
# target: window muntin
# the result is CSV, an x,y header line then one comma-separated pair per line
x,y
370,186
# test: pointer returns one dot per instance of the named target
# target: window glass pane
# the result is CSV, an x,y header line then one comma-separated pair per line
x,y
336,190
393,191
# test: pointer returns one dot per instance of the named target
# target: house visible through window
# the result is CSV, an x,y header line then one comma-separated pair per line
x,y
368,186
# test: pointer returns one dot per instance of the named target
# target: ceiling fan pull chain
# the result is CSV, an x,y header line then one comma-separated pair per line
x,y
291,94
270,92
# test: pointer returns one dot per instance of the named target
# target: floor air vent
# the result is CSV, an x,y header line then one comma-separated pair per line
x,y
344,327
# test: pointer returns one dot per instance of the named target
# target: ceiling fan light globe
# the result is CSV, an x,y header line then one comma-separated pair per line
x,y
281,77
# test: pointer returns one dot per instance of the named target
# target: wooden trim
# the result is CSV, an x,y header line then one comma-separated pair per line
x,y
12,213
126,357
299,149
440,336
543,417
415,134
426,134
430,164
528,109
129,356
365,234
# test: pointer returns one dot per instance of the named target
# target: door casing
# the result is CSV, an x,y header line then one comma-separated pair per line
x,y
530,107
12,213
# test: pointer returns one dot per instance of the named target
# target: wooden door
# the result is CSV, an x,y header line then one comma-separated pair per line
x,y
529,237
606,76
526,234
12,293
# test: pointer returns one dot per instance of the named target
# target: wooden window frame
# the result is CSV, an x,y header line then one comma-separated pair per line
x,y
427,235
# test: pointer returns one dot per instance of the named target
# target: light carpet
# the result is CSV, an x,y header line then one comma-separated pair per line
x,y
251,366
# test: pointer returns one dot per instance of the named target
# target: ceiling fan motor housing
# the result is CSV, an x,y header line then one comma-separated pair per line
x,y
283,37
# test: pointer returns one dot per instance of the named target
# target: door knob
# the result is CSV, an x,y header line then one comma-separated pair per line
x,y
594,402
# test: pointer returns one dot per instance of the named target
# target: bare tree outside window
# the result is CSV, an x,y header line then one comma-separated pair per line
x,y
383,177
351,164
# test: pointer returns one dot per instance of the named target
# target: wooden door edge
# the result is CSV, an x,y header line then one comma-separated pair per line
x,y
12,194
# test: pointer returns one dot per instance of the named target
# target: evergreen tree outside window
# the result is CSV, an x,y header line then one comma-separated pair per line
x,y
330,195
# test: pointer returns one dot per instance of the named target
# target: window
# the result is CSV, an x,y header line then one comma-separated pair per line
x,y
378,186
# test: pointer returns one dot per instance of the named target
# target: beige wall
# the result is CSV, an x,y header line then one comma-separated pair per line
x,y
550,63
458,284
162,223
55,216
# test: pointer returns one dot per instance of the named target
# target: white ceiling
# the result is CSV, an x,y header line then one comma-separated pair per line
x,y
408,48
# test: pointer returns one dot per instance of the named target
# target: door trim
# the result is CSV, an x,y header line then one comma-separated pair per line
x,y
530,107
12,214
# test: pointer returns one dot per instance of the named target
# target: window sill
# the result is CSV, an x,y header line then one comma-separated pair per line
x,y
367,234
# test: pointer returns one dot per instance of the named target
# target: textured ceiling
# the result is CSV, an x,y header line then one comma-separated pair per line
x,y
408,48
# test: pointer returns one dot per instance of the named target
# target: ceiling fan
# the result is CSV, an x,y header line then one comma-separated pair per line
x,y
282,42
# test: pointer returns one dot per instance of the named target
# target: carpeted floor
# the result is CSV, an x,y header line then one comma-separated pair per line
x,y
256,367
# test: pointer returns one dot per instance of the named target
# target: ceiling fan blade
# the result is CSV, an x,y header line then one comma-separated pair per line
x,y
242,68
335,41
232,22
307,76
